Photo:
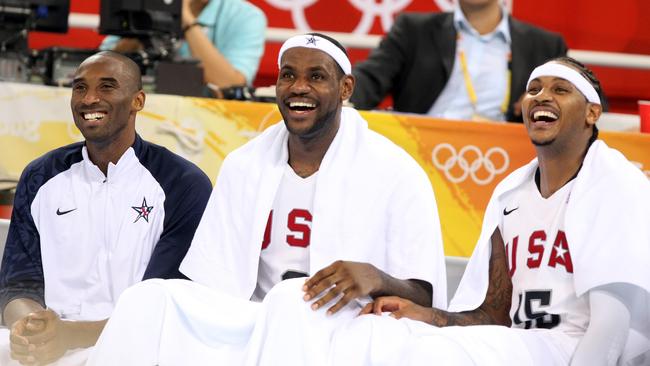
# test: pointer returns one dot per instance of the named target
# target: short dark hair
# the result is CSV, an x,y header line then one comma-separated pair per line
x,y
131,66
340,71
591,78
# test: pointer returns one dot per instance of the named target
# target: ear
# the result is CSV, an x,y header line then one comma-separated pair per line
x,y
593,113
347,86
138,101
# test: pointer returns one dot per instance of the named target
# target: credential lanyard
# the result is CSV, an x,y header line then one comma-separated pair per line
x,y
471,92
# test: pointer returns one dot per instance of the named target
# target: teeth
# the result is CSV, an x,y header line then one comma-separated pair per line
x,y
302,104
93,116
537,115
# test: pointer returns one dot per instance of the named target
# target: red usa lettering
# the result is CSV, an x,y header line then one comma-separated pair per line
x,y
560,254
298,221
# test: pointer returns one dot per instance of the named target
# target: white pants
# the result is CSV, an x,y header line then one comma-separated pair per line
x,y
75,357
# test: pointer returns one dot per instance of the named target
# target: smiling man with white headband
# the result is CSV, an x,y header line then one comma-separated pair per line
x,y
559,275
318,195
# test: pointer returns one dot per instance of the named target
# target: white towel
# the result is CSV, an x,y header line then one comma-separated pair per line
x,y
373,203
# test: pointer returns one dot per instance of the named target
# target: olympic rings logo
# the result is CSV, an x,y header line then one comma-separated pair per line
x,y
384,9
297,8
468,167
371,9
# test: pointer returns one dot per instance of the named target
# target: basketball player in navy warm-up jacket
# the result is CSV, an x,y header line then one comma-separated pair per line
x,y
91,219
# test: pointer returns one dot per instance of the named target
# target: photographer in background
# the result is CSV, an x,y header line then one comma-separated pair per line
x,y
226,36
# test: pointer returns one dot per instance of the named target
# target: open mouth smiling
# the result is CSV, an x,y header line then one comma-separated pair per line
x,y
544,116
301,107
93,116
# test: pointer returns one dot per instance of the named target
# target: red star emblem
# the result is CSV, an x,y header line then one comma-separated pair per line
x,y
143,210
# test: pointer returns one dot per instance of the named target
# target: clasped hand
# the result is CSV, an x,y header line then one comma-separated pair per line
x,y
37,339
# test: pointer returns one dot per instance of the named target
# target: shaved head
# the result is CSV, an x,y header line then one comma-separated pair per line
x,y
130,68
106,96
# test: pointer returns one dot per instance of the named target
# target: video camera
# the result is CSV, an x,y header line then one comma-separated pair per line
x,y
156,23
18,17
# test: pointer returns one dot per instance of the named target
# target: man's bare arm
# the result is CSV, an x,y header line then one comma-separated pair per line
x,y
496,306
494,310
418,291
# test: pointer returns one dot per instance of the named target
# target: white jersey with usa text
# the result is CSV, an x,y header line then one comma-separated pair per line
x,y
79,238
539,261
285,247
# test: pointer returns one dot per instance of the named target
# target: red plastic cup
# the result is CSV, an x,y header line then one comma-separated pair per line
x,y
644,113
6,204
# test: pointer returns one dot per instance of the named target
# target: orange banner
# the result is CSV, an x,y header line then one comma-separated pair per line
x,y
464,160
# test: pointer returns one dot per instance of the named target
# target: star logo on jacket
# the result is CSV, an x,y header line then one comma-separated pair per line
x,y
143,210
311,40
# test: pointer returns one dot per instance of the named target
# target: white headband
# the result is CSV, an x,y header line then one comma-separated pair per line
x,y
569,74
319,43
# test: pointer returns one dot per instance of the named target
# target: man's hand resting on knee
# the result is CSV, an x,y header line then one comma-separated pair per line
x,y
351,280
